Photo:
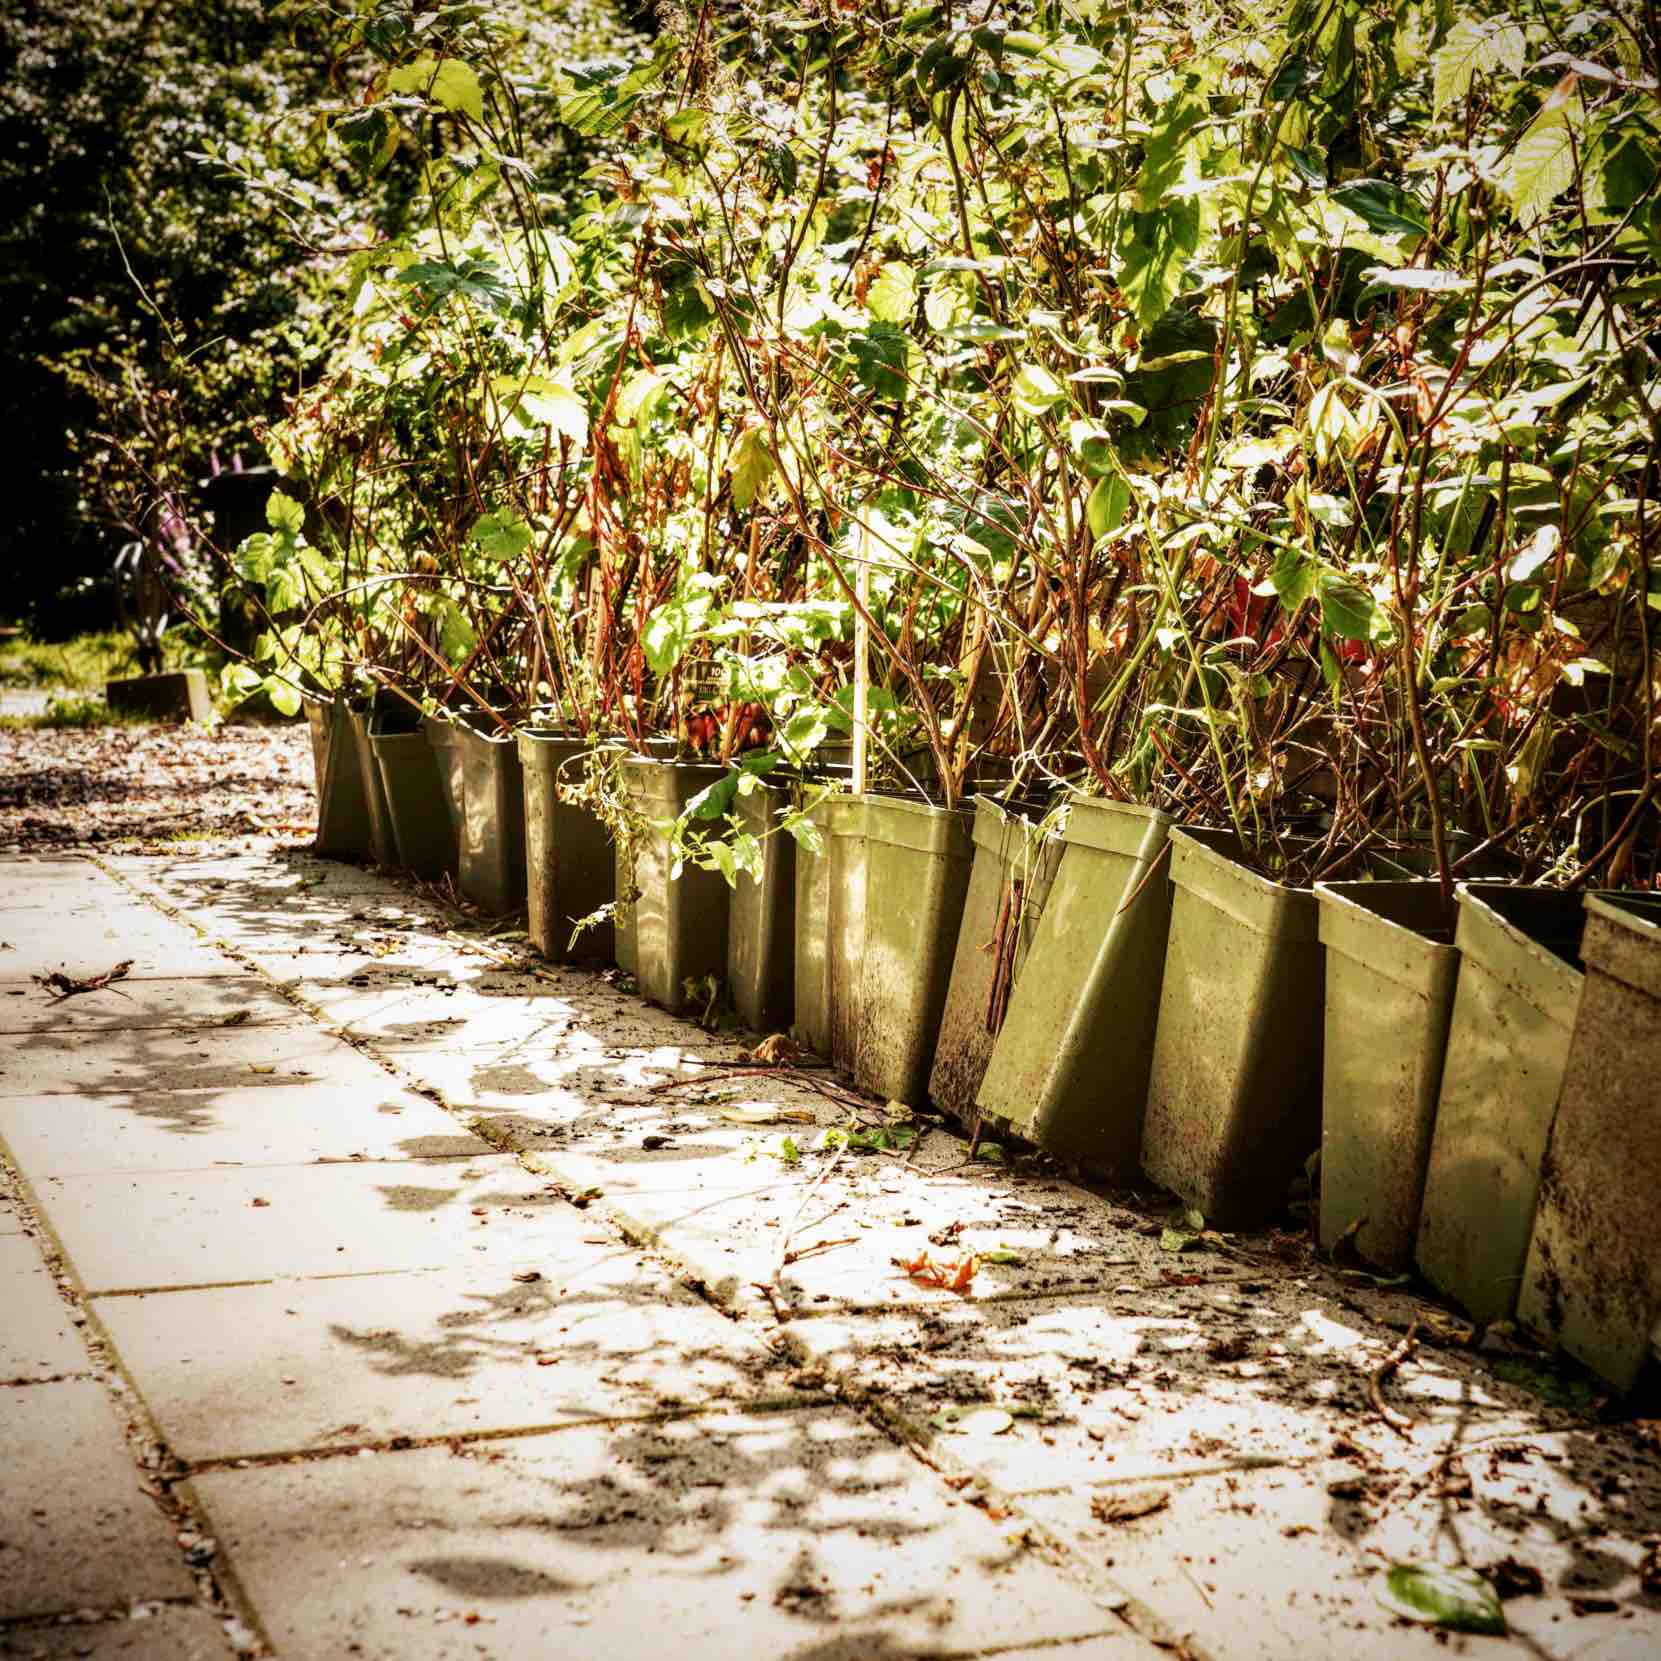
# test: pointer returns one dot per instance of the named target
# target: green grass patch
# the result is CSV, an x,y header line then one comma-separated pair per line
x,y
72,712
83,664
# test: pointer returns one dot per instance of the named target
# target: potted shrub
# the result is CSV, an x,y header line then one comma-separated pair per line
x,y
672,922
492,842
917,861
421,833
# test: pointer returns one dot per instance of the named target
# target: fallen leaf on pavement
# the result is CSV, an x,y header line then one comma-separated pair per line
x,y
950,1275
1133,1503
66,986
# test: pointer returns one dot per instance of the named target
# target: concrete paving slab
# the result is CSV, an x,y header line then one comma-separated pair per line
x,y
169,1058
183,1130
84,943
154,1632
75,1530
37,1338
208,1228
793,1535
240,1000
1249,1566
282,1368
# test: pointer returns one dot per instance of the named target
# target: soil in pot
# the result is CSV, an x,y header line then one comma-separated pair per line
x,y
1592,1282
1015,861
1234,1091
674,934
918,859
1390,970
570,865
1070,1068
1514,1008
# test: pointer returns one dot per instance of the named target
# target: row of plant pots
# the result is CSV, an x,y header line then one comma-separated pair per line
x,y
1129,994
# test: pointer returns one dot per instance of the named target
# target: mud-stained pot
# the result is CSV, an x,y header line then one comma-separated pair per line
x,y
570,866
1070,1068
492,844
1234,1092
761,935
343,820
1015,860
1508,1043
918,858
675,931
382,849
423,838
1390,970
1593,1279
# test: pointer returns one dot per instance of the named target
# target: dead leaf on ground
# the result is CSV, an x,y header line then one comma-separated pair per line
x,y
66,986
778,1049
1126,1507
950,1275
757,1113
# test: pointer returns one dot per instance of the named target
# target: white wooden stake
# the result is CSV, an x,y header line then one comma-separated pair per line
x,y
862,657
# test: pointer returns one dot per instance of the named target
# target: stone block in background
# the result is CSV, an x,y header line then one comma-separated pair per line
x,y
182,696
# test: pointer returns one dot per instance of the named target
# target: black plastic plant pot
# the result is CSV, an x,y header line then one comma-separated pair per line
x,y
673,936
344,827
1234,1092
382,848
492,840
1593,1278
444,737
570,865
1514,1007
1015,861
1070,1067
761,936
423,837
918,857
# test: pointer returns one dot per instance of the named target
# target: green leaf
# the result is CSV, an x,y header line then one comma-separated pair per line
x,y
1471,47
284,514
1458,1599
1293,576
892,298
667,634
1036,389
284,695
1165,153
554,403
449,82
1383,207
501,536
880,357
1349,611
1156,251
1109,503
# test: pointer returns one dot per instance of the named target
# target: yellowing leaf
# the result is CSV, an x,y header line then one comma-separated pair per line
x,y
1542,165
751,464
449,82
893,296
